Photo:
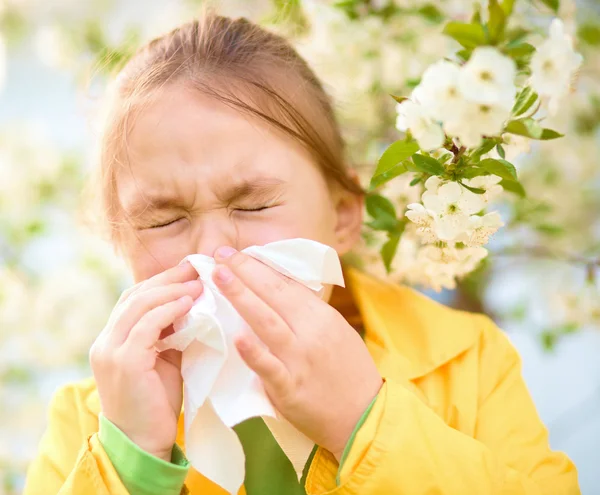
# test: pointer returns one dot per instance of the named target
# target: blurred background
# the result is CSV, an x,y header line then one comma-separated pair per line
x,y
59,279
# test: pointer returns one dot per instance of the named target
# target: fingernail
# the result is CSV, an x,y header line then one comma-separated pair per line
x,y
223,274
224,252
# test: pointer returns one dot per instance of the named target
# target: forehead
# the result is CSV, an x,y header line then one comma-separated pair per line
x,y
183,138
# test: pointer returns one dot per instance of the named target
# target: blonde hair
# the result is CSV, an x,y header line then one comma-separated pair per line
x,y
238,63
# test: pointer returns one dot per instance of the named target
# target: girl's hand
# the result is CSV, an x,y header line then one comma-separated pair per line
x,y
314,365
141,390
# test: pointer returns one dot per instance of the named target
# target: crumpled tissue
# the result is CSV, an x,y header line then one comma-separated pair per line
x,y
220,390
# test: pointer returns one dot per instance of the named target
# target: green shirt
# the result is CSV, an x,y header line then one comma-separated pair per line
x,y
145,474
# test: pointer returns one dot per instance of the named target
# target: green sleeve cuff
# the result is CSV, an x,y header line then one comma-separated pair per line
x,y
348,447
141,472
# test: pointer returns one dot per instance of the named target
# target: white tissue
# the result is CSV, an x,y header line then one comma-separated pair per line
x,y
220,391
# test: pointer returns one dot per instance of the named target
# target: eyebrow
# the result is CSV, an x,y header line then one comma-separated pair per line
x,y
257,189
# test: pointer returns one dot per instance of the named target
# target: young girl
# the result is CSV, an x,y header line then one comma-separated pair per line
x,y
221,137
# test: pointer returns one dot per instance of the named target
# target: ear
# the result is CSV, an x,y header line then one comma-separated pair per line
x,y
349,220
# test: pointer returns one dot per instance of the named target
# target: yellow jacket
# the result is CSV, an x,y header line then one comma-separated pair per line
x,y
454,416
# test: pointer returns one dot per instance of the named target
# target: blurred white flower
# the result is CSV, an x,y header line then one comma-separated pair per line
x,y
401,193
65,329
489,183
438,91
442,266
482,227
514,146
553,65
51,45
581,307
488,77
2,63
414,117
476,120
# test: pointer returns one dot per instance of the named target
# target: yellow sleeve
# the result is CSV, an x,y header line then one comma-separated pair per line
x,y
70,461
410,450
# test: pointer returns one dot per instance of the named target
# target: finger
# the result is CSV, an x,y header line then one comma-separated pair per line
x,y
141,303
146,331
177,274
268,367
286,296
263,320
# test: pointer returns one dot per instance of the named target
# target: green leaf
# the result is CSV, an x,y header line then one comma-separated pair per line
x,y
468,35
496,20
549,229
515,36
475,190
507,7
520,50
548,339
501,168
500,151
383,213
476,17
465,54
392,157
532,129
513,187
399,99
412,82
553,4
388,250
471,172
487,146
431,13
550,134
428,164
415,181
589,33
525,99
388,175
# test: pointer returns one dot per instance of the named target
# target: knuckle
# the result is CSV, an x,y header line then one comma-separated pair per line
x,y
270,321
236,288
238,260
281,284
129,291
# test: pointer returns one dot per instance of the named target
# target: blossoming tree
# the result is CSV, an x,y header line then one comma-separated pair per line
x,y
474,130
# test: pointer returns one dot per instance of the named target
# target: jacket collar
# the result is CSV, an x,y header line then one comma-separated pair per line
x,y
413,333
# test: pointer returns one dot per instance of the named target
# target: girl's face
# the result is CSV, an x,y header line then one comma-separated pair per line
x,y
203,175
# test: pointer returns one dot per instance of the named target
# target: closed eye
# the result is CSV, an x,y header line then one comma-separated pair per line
x,y
260,208
160,225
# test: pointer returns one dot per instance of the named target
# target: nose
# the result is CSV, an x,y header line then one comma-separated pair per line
x,y
209,233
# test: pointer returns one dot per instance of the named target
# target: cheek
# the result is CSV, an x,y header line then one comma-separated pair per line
x,y
312,219
148,259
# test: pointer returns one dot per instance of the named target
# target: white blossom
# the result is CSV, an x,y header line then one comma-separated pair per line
x,y
451,205
438,91
476,120
482,227
554,64
423,218
414,117
441,266
488,77
489,183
